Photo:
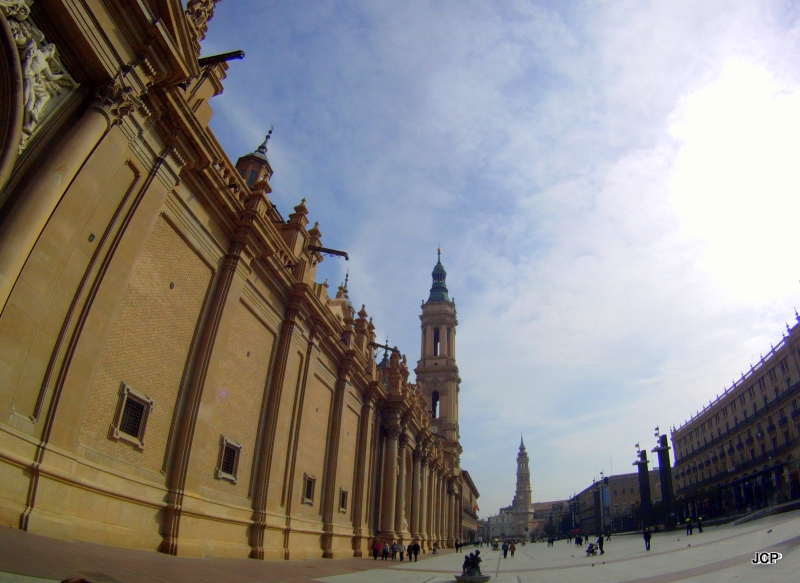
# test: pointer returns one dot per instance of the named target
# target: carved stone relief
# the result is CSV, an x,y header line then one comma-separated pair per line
x,y
199,12
11,98
43,75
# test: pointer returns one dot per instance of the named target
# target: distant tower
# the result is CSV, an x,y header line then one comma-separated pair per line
x,y
436,370
522,499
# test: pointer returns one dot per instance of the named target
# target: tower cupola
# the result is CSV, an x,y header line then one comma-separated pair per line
x,y
254,167
439,287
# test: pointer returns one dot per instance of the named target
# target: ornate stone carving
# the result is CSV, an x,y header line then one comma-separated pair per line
x,y
43,75
115,100
199,12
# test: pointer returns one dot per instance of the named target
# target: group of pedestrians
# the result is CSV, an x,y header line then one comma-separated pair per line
x,y
689,528
395,549
508,546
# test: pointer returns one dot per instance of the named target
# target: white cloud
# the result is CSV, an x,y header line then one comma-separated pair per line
x,y
589,170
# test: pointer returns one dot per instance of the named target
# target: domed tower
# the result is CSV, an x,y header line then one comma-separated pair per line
x,y
437,372
522,498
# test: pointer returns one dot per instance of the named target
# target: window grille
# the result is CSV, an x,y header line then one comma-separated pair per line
x,y
309,483
228,462
130,420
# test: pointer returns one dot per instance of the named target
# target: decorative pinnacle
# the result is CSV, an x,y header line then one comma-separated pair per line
x,y
262,149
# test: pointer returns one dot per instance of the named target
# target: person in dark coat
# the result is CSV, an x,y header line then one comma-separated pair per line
x,y
688,525
646,535
505,549
600,544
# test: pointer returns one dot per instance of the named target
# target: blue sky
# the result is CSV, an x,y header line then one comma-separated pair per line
x,y
614,187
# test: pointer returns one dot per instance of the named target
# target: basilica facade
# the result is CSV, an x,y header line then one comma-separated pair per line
x,y
172,375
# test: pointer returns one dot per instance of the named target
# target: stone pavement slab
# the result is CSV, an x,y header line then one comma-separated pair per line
x,y
719,554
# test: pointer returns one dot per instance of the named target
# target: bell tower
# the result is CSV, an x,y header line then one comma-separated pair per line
x,y
437,372
522,498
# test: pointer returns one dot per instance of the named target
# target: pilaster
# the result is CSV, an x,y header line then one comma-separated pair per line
x,y
389,493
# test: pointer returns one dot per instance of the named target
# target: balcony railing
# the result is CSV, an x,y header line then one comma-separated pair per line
x,y
724,475
761,414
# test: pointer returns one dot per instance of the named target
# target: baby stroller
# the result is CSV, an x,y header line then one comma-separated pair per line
x,y
591,549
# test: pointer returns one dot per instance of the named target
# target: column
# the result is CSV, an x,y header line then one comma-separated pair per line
x,y
182,461
429,495
433,495
389,493
423,500
361,468
332,457
438,511
51,179
779,495
416,492
449,524
267,427
400,509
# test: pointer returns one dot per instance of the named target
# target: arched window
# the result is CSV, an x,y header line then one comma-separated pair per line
x,y
436,341
435,404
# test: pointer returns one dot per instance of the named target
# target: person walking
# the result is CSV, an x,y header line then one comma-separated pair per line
x,y
394,550
416,551
435,548
401,548
505,549
600,544
646,535
688,525
512,547
376,548
699,524
385,552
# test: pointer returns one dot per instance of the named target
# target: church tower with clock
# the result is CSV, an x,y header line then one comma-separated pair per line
x,y
437,372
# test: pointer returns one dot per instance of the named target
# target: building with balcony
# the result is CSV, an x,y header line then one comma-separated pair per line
x,y
740,452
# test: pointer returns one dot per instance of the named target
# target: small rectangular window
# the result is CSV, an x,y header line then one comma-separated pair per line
x,y
130,421
228,460
342,500
308,489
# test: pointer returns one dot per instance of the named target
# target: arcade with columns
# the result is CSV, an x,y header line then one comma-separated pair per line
x,y
421,484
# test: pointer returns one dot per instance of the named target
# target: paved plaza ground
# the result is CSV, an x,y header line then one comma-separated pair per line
x,y
722,553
